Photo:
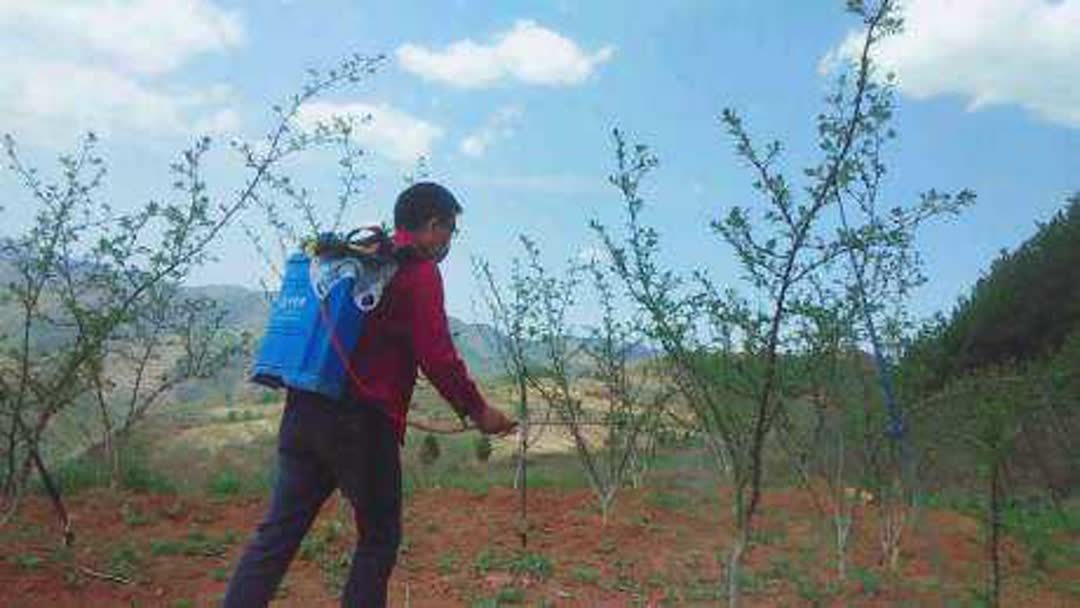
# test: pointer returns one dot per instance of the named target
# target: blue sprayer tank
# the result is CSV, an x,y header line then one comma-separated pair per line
x,y
308,338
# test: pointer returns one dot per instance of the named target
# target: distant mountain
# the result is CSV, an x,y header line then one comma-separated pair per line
x,y
247,310
1024,308
477,343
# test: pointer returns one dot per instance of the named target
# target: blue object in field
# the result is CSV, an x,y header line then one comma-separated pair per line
x,y
315,323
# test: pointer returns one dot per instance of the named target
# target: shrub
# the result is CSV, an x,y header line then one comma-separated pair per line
x,y
225,483
533,564
482,448
429,450
136,476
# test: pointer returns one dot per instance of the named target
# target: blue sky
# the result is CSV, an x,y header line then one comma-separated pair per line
x,y
512,104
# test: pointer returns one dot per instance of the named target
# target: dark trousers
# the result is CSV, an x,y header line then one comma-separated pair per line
x,y
323,445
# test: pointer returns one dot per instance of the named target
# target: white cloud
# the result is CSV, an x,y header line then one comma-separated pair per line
x,y
1022,52
385,130
51,102
499,126
528,52
104,65
143,36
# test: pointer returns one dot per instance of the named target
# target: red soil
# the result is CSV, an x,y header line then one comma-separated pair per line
x,y
458,548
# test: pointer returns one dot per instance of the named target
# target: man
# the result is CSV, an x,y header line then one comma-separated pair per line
x,y
355,445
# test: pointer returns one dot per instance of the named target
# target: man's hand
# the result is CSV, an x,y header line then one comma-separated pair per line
x,y
492,421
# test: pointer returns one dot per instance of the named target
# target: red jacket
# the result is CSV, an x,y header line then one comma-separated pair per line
x,y
408,329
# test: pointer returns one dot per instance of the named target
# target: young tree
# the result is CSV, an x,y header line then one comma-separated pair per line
x,y
635,395
995,405
171,340
508,315
731,355
607,437
87,277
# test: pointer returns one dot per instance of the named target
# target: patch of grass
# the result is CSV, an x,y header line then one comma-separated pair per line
x,y
224,484
145,481
624,577
532,564
585,574
408,486
183,603
137,476
164,547
671,501
977,598
125,560
625,582
482,448
555,478
486,561
26,561
607,546
175,509
322,547
694,560
80,474
870,580
1070,587
242,416
811,591
704,591
195,544
321,540
132,516
201,544
770,536
779,567
510,595
656,581
95,471
335,569
283,590
477,485
1039,527
448,563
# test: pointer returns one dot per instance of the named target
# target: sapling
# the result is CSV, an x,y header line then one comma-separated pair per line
x,y
87,276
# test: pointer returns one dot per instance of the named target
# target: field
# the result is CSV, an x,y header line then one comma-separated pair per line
x,y
170,535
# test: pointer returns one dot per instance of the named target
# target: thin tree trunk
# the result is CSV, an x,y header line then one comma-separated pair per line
x,y
739,544
843,510
523,451
108,443
68,534
12,459
734,561
995,535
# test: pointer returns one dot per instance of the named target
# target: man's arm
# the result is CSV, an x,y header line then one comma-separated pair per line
x,y
438,357
434,348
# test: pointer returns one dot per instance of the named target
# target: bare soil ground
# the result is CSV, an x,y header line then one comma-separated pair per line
x,y
661,547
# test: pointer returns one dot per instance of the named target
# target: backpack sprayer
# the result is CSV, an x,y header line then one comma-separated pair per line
x,y
328,289
316,320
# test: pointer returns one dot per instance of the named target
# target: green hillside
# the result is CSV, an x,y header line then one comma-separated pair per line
x,y
1024,308
997,382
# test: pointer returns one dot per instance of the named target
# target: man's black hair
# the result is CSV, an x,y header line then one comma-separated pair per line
x,y
423,201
